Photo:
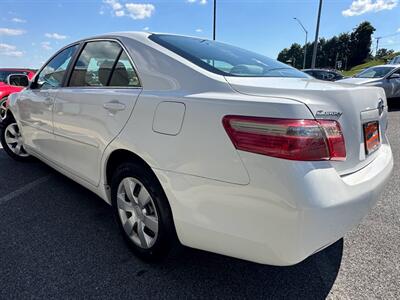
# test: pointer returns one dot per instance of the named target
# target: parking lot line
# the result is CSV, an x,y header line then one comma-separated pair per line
x,y
24,189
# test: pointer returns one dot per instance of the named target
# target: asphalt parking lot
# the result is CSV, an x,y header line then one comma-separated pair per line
x,y
58,240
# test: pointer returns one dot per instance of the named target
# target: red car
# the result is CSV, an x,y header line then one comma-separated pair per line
x,y
6,89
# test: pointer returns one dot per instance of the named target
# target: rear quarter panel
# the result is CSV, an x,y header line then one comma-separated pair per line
x,y
202,147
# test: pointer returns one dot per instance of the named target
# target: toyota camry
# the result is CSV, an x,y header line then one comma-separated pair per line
x,y
204,144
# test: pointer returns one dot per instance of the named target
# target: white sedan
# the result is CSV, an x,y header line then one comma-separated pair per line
x,y
204,143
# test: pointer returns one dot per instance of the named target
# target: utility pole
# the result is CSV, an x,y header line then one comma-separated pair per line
x,y
305,45
377,44
314,57
215,18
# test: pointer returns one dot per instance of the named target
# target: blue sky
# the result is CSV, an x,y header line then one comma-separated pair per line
x,y
32,30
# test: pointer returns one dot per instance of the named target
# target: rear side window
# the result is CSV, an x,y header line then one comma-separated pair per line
x,y
124,74
103,63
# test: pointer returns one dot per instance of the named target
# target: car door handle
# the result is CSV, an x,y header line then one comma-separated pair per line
x,y
114,106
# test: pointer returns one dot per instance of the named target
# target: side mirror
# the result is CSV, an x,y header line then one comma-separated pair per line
x,y
18,80
395,76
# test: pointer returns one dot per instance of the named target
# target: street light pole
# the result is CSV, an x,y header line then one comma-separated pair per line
x,y
305,45
377,44
215,18
314,57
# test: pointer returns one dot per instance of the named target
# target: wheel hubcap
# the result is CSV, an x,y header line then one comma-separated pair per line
x,y
14,140
3,110
137,212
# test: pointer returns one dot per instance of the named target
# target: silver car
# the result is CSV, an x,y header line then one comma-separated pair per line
x,y
395,60
385,76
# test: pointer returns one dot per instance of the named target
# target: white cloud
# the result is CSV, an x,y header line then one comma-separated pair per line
x,y
136,11
147,28
359,7
55,36
9,50
398,30
197,1
18,20
9,31
46,45
139,11
115,5
199,30
7,47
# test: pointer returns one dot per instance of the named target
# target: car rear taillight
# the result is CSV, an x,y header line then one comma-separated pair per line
x,y
293,139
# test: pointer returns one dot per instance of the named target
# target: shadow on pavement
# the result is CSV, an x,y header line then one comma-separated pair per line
x,y
219,276
394,104
60,240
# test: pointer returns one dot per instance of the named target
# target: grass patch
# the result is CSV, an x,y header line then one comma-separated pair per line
x,y
359,68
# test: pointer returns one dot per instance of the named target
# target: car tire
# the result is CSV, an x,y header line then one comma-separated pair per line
x,y
142,212
9,132
3,108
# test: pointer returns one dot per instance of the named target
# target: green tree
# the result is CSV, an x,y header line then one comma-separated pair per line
x,y
360,43
383,53
292,56
349,48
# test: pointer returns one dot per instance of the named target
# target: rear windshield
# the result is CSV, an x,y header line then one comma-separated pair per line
x,y
375,72
224,59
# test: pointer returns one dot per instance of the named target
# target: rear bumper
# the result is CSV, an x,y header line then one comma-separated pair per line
x,y
289,211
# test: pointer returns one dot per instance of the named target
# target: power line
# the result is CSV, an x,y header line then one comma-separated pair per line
x,y
378,38
388,35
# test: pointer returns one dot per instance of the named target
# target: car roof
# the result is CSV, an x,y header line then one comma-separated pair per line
x,y
388,65
326,70
141,36
16,69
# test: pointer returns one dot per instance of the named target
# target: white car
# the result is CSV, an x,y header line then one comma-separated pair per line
x,y
384,76
207,144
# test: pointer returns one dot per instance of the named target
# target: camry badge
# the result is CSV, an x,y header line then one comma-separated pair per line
x,y
320,114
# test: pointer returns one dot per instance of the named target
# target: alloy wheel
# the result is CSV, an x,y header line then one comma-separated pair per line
x,y
137,212
13,140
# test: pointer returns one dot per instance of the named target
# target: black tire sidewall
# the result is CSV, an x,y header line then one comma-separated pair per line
x,y
3,100
166,236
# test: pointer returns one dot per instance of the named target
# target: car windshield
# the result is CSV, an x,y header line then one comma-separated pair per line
x,y
375,72
4,74
395,61
224,59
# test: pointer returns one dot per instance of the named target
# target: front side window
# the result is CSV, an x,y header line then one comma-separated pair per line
x,y
53,73
103,63
224,59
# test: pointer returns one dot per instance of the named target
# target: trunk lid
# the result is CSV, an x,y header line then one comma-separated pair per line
x,y
352,106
